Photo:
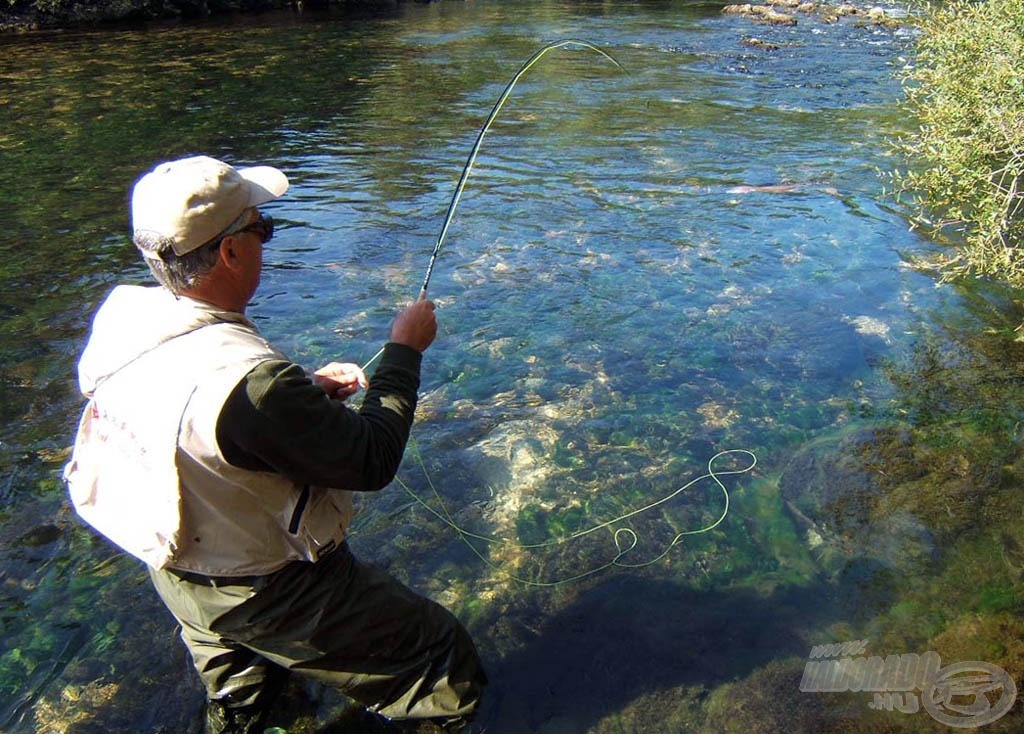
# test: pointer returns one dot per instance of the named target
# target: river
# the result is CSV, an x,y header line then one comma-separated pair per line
x,y
691,411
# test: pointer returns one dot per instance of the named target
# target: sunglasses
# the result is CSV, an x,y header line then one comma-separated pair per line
x,y
263,227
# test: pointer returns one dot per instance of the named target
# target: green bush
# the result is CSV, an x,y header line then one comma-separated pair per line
x,y
966,159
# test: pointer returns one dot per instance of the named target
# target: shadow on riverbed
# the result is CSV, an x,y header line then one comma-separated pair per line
x,y
633,637
637,654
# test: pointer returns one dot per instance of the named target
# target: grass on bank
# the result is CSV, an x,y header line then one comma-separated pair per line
x,y
966,158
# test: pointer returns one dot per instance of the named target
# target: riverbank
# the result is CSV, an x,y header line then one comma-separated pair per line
x,y
31,15
36,15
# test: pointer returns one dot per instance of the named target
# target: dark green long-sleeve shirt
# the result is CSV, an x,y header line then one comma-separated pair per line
x,y
277,419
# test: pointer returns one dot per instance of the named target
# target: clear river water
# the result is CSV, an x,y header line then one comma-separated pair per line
x,y
691,411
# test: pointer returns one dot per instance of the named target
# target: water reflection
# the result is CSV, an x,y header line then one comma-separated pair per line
x,y
614,312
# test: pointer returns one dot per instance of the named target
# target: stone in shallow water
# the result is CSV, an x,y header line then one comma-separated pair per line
x,y
837,503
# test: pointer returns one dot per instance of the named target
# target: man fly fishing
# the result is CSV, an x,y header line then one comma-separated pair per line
x,y
225,467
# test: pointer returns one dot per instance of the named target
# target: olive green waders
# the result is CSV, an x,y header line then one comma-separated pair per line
x,y
341,622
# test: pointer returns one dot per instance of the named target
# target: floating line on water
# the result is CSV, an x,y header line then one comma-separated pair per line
x,y
624,538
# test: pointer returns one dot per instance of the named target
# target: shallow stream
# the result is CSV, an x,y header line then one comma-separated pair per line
x,y
648,268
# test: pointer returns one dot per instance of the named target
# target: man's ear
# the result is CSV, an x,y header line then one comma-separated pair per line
x,y
228,252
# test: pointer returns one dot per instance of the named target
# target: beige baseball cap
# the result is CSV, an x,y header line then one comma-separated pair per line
x,y
192,200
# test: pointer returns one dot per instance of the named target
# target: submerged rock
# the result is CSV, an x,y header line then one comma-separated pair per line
x,y
41,535
835,498
769,700
758,43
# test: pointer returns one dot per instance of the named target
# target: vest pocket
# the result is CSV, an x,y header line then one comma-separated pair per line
x,y
300,506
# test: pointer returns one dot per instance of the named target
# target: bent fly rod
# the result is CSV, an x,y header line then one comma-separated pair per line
x,y
471,159
480,139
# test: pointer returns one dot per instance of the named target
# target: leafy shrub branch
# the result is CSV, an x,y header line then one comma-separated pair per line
x,y
967,157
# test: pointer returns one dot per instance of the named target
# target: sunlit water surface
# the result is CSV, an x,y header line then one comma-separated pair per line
x,y
618,304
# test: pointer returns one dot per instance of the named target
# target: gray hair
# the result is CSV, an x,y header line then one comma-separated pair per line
x,y
176,273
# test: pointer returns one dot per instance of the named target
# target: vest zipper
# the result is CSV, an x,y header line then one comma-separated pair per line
x,y
293,526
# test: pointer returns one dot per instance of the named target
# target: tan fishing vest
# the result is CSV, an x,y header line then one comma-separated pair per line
x,y
147,473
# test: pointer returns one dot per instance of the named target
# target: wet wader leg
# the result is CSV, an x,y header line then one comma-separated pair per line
x,y
353,627
241,685
346,624
412,659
